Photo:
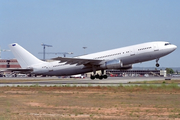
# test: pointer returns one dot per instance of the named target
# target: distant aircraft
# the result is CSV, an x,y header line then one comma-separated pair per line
x,y
121,58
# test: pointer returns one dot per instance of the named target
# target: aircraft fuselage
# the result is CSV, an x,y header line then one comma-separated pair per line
x,y
125,56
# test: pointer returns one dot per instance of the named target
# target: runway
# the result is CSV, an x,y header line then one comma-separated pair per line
x,y
55,81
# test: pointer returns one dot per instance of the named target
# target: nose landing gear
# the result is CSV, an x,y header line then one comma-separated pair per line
x,y
157,64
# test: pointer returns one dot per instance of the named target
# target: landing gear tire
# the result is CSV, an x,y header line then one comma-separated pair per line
x,y
157,65
105,76
101,77
97,76
92,77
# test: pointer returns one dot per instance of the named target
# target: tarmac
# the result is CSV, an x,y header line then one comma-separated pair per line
x,y
55,81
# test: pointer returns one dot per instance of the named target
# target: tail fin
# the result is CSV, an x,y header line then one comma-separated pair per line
x,y
23,57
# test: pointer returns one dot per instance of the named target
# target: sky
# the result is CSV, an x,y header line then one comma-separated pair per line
x,y
70,25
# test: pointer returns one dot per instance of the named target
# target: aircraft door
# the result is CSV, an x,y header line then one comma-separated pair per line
x,y
156,48
50,67
132,58
132,52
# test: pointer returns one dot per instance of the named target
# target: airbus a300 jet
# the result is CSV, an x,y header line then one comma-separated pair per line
x,y
120,58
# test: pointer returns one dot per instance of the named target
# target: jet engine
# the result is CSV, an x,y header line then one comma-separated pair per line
x,y
126,67
115,64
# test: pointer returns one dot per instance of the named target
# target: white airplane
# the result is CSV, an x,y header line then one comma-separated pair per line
x,y
121,58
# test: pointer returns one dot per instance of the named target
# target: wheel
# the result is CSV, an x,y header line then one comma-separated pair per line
x,y
157,65
105,76
92,77
97,76
101,77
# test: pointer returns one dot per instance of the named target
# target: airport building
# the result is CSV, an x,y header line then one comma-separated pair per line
x,y
5,64
12,63
136,73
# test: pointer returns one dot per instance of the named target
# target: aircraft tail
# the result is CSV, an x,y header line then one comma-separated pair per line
x,y
23,57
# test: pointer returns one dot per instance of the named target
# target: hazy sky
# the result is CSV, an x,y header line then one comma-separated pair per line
x,y
69,25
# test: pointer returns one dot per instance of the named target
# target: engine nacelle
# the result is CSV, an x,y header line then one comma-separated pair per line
x,y
115,64
126,67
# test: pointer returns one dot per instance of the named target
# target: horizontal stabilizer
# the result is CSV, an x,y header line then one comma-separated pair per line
x,y
21,70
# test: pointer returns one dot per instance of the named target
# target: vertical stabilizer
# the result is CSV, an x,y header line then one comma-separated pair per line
x,y
23,57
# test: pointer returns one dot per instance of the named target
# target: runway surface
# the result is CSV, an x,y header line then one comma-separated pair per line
x,y
55,81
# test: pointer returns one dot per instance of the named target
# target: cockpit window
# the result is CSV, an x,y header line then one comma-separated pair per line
x,y
167,44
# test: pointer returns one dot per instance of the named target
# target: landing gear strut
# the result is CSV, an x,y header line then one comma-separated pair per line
x,y
97,76
157,64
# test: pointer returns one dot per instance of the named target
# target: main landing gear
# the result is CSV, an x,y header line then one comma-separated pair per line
x,y
157,64
97,76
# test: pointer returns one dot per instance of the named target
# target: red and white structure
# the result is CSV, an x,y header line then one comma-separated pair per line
x,y
12,63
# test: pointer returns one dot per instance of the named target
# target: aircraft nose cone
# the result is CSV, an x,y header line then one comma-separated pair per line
x,y
174,47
